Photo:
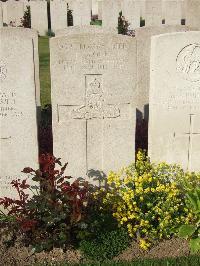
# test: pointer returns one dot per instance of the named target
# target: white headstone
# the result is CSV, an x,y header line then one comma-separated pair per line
x,y
131,12
84,29
100,9
174,129
183,8
33,36
143,36
172,12
193,13
110,13
15,12
4,8
142,8
39,20
153,13
94,109
94,7
81,12
1,15
18,126
58,15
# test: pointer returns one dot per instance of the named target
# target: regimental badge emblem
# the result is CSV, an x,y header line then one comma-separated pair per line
x,y
188,62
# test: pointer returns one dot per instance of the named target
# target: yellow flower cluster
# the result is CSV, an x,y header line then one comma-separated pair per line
x,y
149,199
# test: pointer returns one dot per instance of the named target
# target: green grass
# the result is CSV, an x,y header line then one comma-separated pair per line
x,y
96,22
45,82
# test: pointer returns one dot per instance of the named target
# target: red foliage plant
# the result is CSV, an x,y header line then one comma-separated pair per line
x,y
55,206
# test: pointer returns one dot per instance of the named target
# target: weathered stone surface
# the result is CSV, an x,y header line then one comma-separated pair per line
x,y
58,15
14,12
18,129
172,12
131,12
93,101
143,36
39,17
192,13
153,13
81,12
84,29
174,129
110,13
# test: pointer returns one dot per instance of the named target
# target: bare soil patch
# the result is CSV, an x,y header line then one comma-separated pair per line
x,y
24,256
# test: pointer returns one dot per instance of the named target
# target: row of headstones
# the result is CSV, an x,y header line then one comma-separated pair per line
x,y
93,78
155,13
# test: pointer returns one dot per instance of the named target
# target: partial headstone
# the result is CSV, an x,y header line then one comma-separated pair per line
x,y
81,12
4,8
192,13
131,12
100,9
15,12
33,36
143,36
172,12
39,20
18,125
174,129
142,8
94,109
84,29
1,15
94,7
58,14
110,13
153,13
183,8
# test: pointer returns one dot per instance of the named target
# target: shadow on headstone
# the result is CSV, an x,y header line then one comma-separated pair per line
x,y
146,112
141,133
45,137
98,177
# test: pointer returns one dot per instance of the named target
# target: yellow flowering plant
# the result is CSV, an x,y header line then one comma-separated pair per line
x,y
148,199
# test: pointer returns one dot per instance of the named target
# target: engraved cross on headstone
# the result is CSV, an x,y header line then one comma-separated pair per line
x,y
95,108
190,134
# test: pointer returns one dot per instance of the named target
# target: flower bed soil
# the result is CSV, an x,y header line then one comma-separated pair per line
x,y
23,256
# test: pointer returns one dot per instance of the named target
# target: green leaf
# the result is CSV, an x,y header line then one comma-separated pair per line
x,y
186,230
193,200
195,245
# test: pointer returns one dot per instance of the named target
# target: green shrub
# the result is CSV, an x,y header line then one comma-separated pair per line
x,y
122,24
106,246
26,20
149,200
191,231
69,16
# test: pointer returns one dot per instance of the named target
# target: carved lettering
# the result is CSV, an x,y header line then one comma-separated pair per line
x,y
8,105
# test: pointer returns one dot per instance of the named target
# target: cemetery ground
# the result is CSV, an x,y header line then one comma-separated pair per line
x,y
91,230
